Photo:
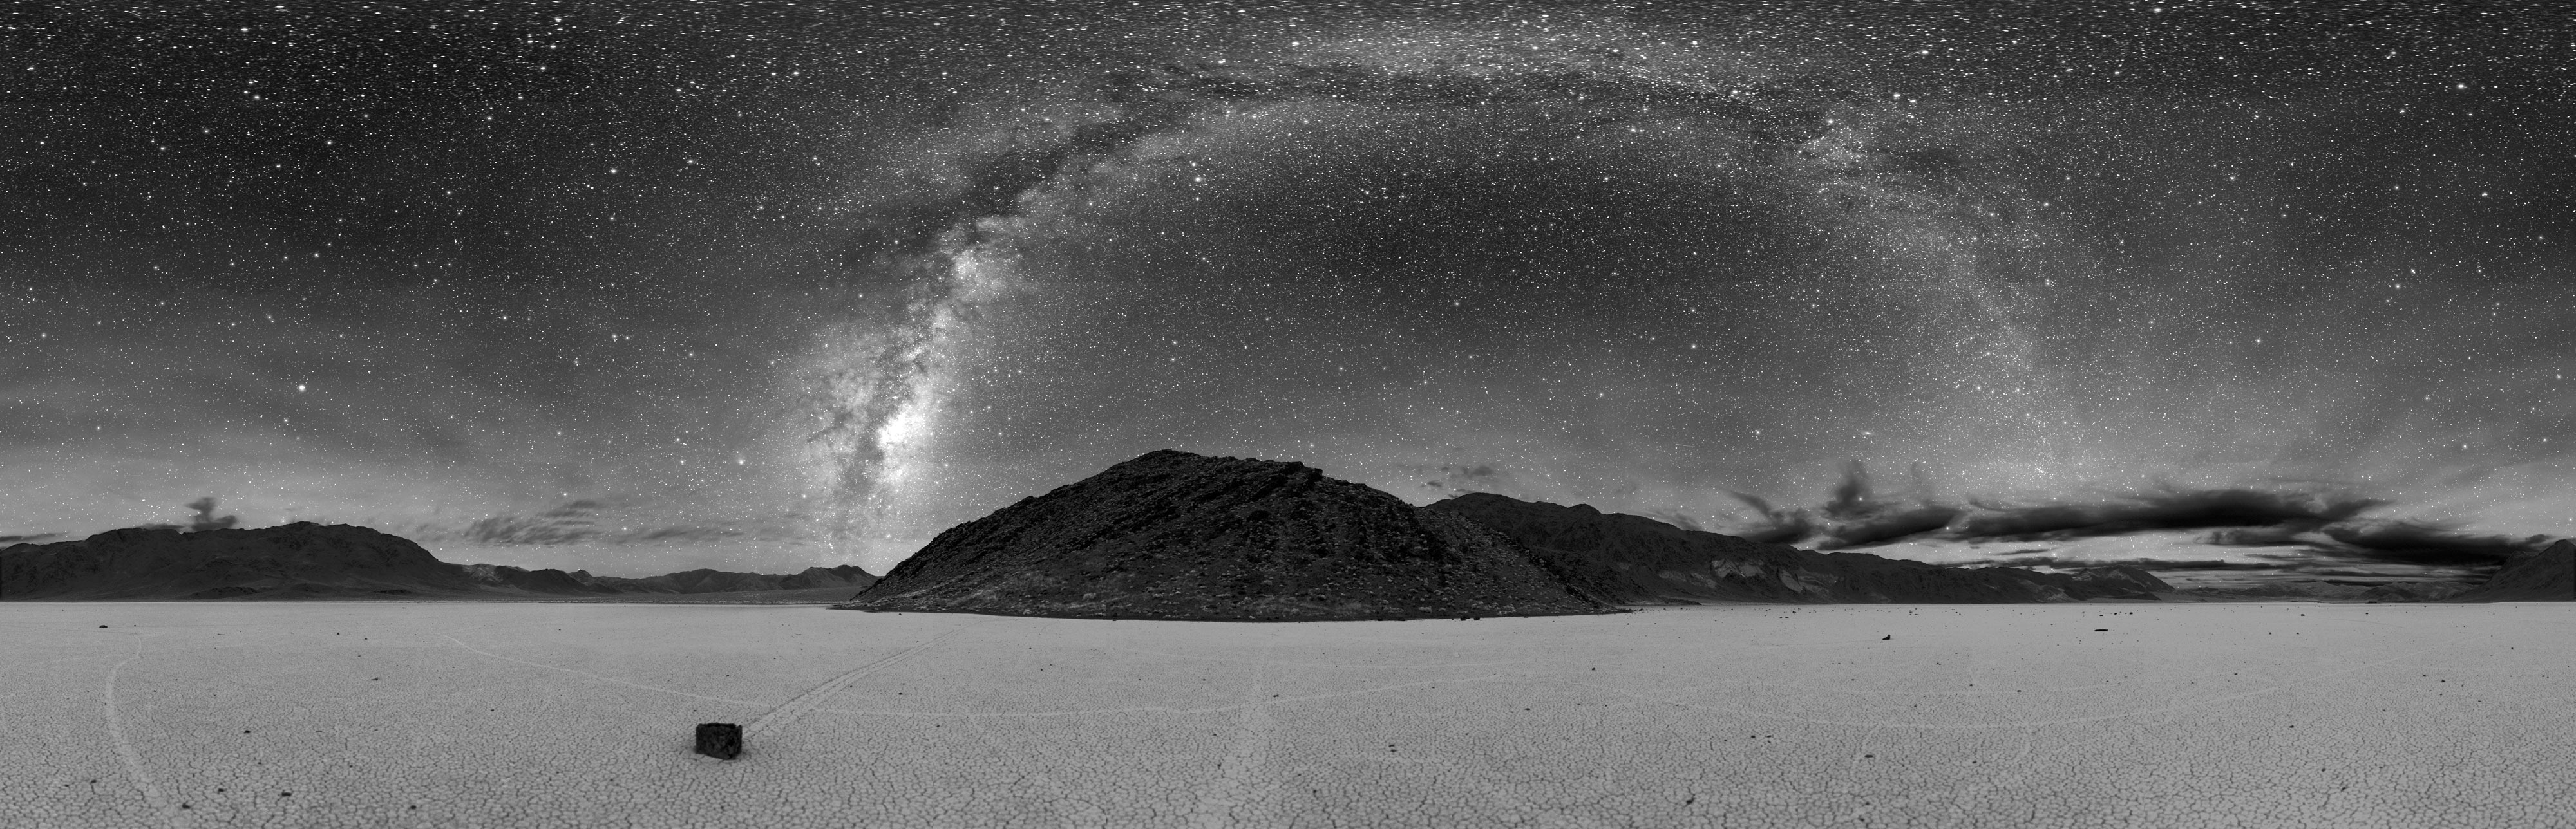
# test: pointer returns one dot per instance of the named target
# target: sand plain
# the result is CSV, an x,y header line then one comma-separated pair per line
x,y
520,714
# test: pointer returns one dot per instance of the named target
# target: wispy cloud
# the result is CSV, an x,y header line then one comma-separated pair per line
x,y
2324,524
205,518
596,521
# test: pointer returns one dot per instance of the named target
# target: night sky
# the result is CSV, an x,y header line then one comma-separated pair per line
x,y
761,286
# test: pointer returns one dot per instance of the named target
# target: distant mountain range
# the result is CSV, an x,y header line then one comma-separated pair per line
x,y
1173,535
1180,536
308,560
581,582
1638,560
2545,576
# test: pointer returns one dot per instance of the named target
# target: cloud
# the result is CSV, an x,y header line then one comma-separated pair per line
x,y
2327,525
1460,478
29,538
581,521
1676,518
2424,543
1891,524
205,518
1467,478
1776,526
2165,509
1851,494
1853,515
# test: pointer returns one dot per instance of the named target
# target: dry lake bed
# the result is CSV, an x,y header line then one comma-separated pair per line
x,y
523,714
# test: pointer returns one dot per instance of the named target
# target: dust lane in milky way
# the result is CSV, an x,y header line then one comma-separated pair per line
x,y
651,286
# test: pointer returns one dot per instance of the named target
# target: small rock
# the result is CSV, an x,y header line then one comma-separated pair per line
x,y
720,740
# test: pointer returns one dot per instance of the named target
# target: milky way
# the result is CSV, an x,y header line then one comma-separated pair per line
x,y
646,286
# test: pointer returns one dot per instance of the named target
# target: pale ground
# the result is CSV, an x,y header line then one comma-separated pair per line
x,y
509,714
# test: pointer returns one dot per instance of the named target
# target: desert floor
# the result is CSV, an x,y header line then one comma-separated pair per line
x,y
512,714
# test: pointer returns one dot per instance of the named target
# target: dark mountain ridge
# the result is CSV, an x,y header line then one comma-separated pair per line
x,y
309,560
1173,535
2548,575
701,580
299,560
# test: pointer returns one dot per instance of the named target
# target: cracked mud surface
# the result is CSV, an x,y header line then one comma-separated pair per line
x,y
1728,715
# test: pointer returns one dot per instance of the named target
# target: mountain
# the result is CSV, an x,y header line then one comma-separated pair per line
x,y
581,582
503,578
2120,581
1637,560
2548,575
1173,535
308,560
2411,591
299,560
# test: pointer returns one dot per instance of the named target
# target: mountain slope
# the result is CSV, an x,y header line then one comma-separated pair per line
x,y
308,560
299,560
1643,561
2545,576
1172,535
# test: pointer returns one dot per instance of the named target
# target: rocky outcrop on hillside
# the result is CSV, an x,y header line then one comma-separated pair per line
x,y
1173,535
2546,575
1639,560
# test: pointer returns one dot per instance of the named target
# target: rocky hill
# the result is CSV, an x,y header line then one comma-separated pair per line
x,y
1638,560
2548,575
308,560
1173,535
299,560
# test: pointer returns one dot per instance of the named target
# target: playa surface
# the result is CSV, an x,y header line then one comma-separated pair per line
x,y
452,713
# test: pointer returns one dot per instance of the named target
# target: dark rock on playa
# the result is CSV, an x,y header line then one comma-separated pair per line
x,y
2547,575
1172,535
1636,560
720,740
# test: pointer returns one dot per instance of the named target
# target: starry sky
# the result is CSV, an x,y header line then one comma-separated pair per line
x,y
641,287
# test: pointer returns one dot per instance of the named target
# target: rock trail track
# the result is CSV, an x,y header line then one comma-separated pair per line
x,y
134,770
330,714
787,712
